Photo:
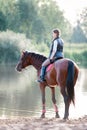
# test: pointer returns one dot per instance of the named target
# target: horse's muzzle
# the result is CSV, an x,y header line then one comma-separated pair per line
x,y
18,67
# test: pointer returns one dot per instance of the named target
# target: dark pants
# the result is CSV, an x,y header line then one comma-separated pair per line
x,y
44,66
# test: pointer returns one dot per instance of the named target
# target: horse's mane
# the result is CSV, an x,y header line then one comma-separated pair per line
x,y
41,58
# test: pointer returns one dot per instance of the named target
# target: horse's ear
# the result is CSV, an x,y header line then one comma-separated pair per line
x,y
23,52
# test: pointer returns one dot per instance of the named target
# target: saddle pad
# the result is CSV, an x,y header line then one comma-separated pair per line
x,y
49,67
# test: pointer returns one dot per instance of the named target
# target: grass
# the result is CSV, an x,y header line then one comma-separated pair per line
x,y
77,52
75,48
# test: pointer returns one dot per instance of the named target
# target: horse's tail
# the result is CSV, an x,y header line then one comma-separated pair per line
x,y
70,82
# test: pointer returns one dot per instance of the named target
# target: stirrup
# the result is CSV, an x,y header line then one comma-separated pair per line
x,y
41,80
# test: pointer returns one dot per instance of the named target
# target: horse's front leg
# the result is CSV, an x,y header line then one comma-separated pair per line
x,y
54,102
43,101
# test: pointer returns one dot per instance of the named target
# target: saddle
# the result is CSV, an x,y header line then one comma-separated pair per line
x,y
49,67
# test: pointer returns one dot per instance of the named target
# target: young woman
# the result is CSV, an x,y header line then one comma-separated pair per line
x,y
56,52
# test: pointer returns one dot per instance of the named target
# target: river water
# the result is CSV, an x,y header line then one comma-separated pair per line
x,y
20,95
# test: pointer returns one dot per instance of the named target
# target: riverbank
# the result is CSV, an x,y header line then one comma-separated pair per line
x,y
33,123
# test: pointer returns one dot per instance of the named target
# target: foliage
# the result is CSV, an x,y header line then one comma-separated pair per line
x,y
11,45
84,20
27,16
78,36
53,18
76,52
2,21
35,20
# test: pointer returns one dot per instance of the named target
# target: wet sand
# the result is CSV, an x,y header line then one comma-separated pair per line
x,y
33,123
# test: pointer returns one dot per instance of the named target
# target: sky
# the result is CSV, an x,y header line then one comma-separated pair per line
x,y
72,8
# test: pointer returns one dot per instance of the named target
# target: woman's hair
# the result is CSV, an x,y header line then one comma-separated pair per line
x,y
57,31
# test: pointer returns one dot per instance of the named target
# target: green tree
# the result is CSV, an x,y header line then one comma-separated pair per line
x,y
8,7
84,20
52,17
2,22
31,23
34,18
78,35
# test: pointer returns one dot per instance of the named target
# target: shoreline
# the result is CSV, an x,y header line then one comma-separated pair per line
x,y
33,123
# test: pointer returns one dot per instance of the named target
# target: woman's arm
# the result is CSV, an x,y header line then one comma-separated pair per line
x,y
54,49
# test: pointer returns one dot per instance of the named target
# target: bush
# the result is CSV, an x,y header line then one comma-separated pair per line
x,y
11,44
42,48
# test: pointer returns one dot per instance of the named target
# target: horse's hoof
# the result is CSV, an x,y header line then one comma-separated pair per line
x,y
65,118
43,116
57,115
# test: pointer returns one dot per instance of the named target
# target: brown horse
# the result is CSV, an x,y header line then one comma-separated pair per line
x,y
64,73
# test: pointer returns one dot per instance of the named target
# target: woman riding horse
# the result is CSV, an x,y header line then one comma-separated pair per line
x,y
63,73
56,52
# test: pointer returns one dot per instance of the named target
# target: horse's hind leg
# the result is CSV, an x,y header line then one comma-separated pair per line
x,y
67,103
54,102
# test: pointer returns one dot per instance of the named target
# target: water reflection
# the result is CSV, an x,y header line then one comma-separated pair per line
x,y
20,94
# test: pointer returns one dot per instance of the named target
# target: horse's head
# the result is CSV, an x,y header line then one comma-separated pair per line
x,y
24,61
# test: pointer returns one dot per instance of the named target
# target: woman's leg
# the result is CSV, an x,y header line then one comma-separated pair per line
x,y
46,62
43,70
